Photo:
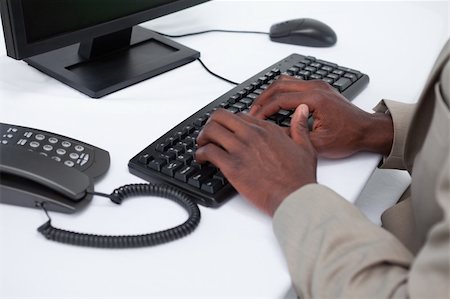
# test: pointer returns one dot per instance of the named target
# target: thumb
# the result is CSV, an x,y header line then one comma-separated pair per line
x,y
299,124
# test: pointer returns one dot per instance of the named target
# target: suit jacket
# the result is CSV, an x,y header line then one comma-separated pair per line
x,y
334,251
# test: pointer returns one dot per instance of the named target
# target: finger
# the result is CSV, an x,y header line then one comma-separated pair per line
x,y
214,132
214,154
228,120
285,85
250,119
281,85
288,101
299,124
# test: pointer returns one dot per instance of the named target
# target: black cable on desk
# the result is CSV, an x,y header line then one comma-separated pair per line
x,y
209,31
92,240
214,74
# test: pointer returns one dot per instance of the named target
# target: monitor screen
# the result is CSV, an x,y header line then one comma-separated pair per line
x,y
70,15
80,42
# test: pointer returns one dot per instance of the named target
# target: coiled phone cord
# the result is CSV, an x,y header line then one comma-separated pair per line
x,y
108,241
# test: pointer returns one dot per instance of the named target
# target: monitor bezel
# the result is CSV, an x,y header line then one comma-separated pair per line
x,y
18,47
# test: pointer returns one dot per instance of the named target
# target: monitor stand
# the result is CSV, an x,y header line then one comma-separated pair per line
x,y
114,61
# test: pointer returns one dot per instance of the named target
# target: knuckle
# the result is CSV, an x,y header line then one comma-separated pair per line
x,y
260,132
321,84
217,114
233,169
250,134
284,77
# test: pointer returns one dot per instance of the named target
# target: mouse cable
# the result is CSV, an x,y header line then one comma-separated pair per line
x,y
209,31
131,241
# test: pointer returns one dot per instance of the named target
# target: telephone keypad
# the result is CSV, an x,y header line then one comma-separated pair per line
x,y
46,144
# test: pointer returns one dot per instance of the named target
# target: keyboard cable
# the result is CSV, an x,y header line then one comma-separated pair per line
x,y
209,31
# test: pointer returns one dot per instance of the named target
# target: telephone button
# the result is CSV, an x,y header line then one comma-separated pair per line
x,y
34,144
61,151
66,144
47,147
53,140
39,137
4,141
79,148
69,163
74,156
57,159
22,142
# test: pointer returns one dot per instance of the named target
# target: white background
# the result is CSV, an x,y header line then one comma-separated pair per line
x,y
233,253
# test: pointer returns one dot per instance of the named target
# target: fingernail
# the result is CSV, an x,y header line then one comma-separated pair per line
x,y
304,109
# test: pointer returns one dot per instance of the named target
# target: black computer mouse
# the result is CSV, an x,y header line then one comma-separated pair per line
x,y
303,32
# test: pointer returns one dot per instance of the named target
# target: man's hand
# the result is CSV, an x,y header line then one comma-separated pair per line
x,y
340,128
257,157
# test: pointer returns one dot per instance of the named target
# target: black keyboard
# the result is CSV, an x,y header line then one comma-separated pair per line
x,y
171,158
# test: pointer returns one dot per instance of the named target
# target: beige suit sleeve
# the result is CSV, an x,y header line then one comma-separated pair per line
x,y
401,114
333,251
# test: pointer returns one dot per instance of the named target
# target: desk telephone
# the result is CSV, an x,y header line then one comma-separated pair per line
x,y
41,167
53,172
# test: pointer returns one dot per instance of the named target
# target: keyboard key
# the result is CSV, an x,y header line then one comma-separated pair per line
x,y
197,179
284,112
145,158
239,106
162,147
322,72
185,173
201,176
342,83
219,176
200,121
333,76
247,102
233,110
252,96
327,68
286,122
277,118
167,156
233,99
350,76
212,186
338,72
171,168
157,164
186,159
328,80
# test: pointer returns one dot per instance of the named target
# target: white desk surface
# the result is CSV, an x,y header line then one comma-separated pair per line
x,y
233,253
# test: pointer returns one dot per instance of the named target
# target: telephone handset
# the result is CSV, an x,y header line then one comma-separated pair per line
x,y
39,167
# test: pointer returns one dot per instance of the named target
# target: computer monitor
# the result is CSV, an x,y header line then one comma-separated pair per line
x,y
93,46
